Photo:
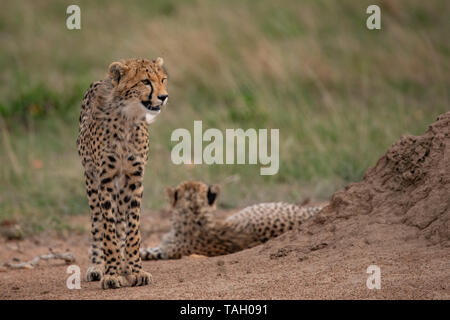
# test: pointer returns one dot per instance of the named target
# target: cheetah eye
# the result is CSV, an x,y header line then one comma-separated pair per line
x,y
164,80
146,82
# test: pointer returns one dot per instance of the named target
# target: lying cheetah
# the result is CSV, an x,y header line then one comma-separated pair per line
x,y
113,145
196,230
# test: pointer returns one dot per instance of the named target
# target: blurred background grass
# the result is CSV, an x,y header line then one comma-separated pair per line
x,y
340,94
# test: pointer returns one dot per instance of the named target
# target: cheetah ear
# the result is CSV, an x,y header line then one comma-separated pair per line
x,y
172,194
213,192
159,61
117,70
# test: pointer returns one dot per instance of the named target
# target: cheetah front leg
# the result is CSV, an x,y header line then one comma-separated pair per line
x,y
95,270
161,253
152,254
111,243
169,248
131,205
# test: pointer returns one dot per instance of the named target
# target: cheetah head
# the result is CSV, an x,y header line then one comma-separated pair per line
x,y
139,87
193,197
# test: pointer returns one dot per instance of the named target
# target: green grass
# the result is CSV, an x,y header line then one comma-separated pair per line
x,y
339,93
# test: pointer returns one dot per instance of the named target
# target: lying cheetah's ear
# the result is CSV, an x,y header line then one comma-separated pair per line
x,y
172,194
213,192
159,61
117,70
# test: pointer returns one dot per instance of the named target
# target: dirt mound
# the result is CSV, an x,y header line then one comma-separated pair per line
x,y
404,198
408,189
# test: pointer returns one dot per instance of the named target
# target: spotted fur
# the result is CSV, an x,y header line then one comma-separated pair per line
x,y
113,144
195,229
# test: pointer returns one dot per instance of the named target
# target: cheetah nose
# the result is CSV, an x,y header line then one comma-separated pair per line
x,y
163,97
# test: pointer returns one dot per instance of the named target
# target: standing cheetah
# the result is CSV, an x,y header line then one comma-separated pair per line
x,y
113,145
196,230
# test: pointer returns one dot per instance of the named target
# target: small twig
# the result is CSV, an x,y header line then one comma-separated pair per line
x,y
67,257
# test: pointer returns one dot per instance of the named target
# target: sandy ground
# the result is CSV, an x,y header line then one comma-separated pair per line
x,y
275,270
397,218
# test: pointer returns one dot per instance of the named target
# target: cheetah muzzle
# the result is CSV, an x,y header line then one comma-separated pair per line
x,y
148,106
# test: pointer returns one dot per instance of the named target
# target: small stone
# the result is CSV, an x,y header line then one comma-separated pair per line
x,y
220,262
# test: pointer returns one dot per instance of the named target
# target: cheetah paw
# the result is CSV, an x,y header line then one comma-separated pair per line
x,y
150,254
94,273
140,278
113,282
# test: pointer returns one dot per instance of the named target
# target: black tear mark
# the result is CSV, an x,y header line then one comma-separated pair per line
x,y
211,196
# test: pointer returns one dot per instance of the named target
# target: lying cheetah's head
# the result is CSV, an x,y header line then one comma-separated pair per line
x,y
193,196
139,86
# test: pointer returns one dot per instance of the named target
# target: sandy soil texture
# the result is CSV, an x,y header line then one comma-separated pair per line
x,y
397,217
